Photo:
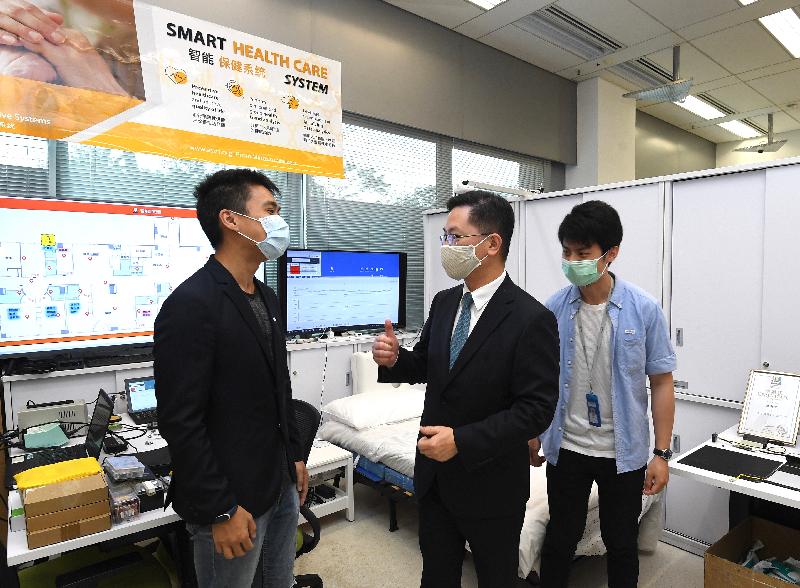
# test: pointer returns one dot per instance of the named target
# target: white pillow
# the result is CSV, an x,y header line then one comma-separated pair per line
x,y
364,411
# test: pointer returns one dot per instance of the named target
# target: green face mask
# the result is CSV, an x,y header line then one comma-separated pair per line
x,y
584,271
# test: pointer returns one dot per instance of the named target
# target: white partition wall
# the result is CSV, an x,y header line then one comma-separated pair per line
x,y
781,311
641,210
717,271
543,275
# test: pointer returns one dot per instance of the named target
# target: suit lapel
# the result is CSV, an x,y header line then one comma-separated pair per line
x,y
496,311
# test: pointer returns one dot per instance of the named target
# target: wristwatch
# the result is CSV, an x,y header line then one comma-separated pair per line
x,y
665,454
226,516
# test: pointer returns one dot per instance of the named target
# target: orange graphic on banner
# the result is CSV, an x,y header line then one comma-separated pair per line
x,y
77,338
54,112
132,136
96,207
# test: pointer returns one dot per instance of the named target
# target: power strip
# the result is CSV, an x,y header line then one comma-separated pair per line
x,y
73,413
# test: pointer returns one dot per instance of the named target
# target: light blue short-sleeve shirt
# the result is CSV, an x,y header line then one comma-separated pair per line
x,y
641,347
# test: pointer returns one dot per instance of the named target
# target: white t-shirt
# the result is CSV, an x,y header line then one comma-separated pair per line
x,y
579,435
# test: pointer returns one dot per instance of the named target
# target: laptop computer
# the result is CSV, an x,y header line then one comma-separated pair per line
x,y
141,394
98,427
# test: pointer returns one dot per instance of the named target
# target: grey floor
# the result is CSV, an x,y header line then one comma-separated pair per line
x,y
363,554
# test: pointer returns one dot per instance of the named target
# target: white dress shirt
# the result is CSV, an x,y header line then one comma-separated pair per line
x,y
480,299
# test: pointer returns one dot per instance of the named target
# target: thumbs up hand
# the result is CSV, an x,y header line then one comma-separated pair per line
x,y
386,347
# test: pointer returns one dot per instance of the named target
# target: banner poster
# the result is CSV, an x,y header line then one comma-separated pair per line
x,y
126,75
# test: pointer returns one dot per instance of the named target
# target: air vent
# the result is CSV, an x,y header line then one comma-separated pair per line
x,y
569,32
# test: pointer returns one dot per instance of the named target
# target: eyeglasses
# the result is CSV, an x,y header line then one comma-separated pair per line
x,y
451,238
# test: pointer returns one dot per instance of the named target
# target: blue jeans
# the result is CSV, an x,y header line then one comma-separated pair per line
x,y
276,531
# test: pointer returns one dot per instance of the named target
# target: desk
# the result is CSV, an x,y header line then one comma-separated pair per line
x,y
18,552
784,496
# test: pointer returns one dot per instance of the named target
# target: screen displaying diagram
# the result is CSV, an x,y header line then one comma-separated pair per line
x,y
79,274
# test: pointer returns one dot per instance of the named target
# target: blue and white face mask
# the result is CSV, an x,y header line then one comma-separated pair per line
x,y
277,240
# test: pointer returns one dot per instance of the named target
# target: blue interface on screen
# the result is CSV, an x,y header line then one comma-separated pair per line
x,y
143,395
329,289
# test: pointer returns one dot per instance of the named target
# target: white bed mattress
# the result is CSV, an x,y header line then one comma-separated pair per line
x,y
394,445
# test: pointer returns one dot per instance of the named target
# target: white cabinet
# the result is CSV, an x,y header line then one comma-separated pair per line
x,y
697,512
717,271
781,310
310,368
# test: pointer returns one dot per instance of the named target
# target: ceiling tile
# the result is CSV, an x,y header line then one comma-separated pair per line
x,y
680,13
714,84
522,44
781,88
783,122
673,114
740,97
448,13
606,16
742,48
771,70
693,64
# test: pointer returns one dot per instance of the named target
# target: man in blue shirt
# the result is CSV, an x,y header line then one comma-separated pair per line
x,y
613,336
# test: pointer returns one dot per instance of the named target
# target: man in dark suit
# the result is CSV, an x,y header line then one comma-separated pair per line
x,y
223,390
489,355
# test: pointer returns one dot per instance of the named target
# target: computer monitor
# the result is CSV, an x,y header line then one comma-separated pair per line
x,y
76,275
341,290
98,426
141,393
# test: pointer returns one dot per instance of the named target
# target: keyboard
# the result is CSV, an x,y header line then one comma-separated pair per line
x,y
49,456
144,417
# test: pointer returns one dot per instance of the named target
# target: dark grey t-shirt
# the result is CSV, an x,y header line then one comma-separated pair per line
x,y
265,324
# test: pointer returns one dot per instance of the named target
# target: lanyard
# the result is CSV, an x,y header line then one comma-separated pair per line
x,y
589,366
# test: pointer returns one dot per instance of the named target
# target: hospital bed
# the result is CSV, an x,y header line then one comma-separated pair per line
x,y
380,423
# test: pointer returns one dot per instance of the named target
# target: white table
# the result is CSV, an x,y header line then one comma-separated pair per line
x,y
18,552
326,457
761,490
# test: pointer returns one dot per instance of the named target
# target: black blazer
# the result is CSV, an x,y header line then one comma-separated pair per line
x,y
501,392
223,405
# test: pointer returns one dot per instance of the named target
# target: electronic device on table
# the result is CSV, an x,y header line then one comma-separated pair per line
x,y
98,427
141,394
88,274
323,290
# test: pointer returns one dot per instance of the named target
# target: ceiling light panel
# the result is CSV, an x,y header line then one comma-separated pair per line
x,y
702,109
740,129
486,4
784,26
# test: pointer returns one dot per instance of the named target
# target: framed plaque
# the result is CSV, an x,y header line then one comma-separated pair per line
x,y
771,407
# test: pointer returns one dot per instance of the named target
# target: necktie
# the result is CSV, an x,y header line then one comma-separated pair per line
x,y
461,331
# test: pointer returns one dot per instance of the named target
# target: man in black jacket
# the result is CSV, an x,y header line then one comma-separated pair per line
x,y
223,390
489,355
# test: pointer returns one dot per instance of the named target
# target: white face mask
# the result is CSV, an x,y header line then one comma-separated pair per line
x,y
459,261
277,240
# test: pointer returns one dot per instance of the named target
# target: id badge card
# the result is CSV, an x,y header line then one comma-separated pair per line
x,y
593,408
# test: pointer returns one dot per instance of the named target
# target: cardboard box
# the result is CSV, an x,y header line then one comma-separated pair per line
x,y
69,515
16,513
69,531
722,560
63,495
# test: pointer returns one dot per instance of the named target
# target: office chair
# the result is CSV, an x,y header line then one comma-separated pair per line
x,y
308,419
